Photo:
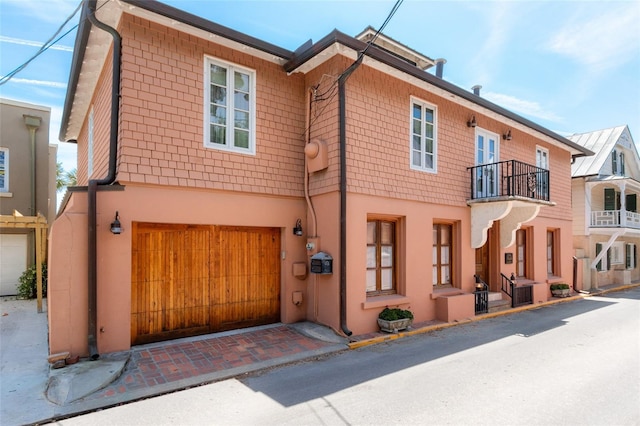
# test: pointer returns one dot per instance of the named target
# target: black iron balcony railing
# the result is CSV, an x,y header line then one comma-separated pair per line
x,y
509,178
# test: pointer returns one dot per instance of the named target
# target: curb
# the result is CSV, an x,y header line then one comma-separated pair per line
x,y
427,329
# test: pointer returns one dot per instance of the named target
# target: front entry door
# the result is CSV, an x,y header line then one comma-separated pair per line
x,y
486,257
482,262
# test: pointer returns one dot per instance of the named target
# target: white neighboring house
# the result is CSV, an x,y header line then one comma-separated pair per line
x,y
606,222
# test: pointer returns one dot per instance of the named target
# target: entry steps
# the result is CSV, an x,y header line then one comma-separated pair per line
x,y
497,303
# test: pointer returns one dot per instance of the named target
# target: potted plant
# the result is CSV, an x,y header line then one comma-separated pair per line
x,y
560,290
393,319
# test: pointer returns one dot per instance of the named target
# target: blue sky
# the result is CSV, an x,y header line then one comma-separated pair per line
x,y
571,66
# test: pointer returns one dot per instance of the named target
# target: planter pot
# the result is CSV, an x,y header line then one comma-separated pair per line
x,y
395,325
565,292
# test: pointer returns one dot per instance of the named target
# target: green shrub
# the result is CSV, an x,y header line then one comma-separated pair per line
x,y
559,286
28,288
395,314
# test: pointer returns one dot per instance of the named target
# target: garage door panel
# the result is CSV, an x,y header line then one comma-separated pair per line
x,y
202,279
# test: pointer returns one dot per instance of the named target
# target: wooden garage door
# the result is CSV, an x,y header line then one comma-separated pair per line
x,y
195,279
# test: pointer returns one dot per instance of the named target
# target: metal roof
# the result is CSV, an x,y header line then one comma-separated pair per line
x,y
601,142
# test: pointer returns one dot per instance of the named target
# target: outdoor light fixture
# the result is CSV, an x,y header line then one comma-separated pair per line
x,y
116,228
507,136
297,230
472,122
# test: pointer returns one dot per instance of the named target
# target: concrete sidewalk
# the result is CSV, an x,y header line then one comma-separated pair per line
x,y
31,392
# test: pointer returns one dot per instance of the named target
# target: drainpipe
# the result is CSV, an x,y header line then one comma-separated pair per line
x,y
33,124
342,118
108,180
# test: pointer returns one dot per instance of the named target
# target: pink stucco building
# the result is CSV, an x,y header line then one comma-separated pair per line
x,y
230,162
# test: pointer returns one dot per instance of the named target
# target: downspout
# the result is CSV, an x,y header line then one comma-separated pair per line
x,y
342,118
108,180
307,197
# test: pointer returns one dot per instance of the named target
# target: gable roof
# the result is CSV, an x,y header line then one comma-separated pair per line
x,y
601,142
95,45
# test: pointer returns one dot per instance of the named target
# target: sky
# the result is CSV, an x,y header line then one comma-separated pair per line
x,y
570,66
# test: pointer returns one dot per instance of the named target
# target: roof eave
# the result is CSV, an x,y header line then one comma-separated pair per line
x,y
298,60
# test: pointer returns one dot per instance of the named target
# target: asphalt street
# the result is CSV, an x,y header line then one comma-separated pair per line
x,y
575,363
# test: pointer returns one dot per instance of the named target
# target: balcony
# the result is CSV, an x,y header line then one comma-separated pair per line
x,y
615,219
509,191
509,179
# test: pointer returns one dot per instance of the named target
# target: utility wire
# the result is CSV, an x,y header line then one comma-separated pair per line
x,y
350,69
44,47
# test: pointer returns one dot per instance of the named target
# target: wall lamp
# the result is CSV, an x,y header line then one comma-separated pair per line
x,y
472,122
507,136
116,227
297,230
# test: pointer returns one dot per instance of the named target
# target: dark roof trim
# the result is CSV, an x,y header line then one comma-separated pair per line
x,y
210,27
79,48
380,55
167,11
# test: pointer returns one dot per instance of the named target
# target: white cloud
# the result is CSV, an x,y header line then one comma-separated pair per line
x,y
521,106
50,11
22,42
603,40
45,83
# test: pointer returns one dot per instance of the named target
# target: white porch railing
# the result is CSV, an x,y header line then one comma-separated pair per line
x,y
615,218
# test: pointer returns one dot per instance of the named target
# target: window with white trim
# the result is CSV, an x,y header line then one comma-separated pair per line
x,y
616,256
630,256
423,136
229,110
4,169
90,126
542,158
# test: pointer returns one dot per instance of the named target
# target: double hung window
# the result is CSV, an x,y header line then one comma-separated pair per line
x,y
230,99
423,136
381,252
442,254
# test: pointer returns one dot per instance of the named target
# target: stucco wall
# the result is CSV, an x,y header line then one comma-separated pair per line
x,y
68,279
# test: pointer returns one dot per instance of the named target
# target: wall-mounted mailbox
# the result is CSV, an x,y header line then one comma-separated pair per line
x,y
321,263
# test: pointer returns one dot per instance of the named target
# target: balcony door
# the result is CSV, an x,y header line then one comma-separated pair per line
x,y
487,153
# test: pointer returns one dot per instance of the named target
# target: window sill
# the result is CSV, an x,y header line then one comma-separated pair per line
x,y
446,292
374,302
554,280
6,194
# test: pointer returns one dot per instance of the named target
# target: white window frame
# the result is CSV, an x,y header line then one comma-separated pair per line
x,y
229,144
618,253
90,138
422,153
630,256
542,153
5,168
486,182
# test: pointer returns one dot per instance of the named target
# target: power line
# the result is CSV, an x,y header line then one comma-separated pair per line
x,y
350,69
50,42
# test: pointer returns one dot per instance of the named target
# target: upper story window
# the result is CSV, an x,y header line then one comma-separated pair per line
x,y
4,169
423,136
542,158
621,165
230,99
90,145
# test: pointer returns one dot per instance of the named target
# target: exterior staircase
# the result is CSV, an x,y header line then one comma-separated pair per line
x,y
497,303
